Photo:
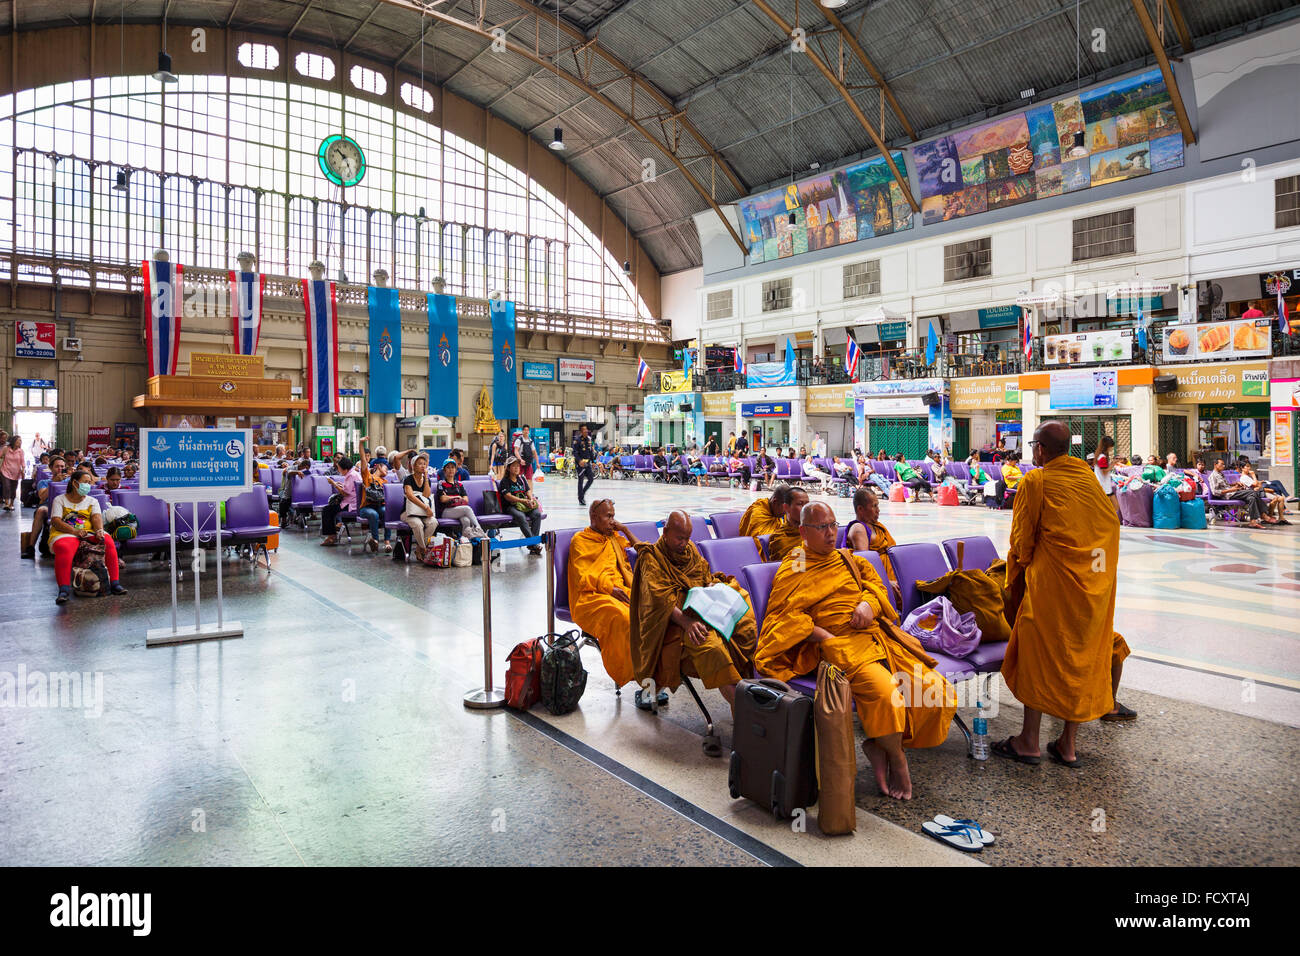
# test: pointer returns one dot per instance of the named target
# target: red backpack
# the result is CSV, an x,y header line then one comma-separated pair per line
x,y
524,676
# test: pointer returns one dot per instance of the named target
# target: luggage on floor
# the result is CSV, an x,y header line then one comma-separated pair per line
x,y
90,581
1164,509
273,541
438,554
524,675
462,554
772,757
947,495
897,492
563,677
1191,514
845,490
837,762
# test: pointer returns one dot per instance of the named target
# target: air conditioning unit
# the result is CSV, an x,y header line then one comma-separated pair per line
x,y
71,344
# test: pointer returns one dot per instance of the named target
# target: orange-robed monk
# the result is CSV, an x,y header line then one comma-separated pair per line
x,y
831,605
600,587
1065,658
786,537
766,514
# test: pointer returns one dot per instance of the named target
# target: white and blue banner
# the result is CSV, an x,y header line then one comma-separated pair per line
x,y
385,351
505,383
246,290
162,308
322,321
444,358
767,374
195,464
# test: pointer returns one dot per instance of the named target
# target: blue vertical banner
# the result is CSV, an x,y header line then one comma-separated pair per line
x,y
444,356
505,385
385,351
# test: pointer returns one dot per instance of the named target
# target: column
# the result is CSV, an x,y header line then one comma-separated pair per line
x,y
1144,425
798,422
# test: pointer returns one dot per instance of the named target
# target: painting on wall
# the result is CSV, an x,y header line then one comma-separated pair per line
x,y
859,202
1129,130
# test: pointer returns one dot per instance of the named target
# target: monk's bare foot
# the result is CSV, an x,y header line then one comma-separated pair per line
x,y
1020,747
900,780
879,764
1066,751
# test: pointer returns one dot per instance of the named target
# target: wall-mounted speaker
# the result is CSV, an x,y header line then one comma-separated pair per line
x,y
1164,383
932,398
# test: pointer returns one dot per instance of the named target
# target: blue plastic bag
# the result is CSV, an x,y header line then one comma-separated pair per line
x,y
1165,512
1192,514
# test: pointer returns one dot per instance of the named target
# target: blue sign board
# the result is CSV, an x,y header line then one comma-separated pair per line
x,y
764,409
539,371
1083,388
192,464
35,383
351,391
999,316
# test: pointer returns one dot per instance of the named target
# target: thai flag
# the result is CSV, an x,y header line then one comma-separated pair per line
x,y
163,303
246,290
642,370
851,359
1283,324
739,362
322,315
1028,344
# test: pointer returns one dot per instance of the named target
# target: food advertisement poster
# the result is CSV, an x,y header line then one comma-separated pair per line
x,y
1088,348
1241,338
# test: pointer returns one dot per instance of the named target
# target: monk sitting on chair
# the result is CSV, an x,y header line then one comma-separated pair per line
x,y
866,533
785,538
831,605
766,514
1064,658
600,588
669,642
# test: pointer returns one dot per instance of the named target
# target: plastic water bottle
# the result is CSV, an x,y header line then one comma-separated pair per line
x,y
979,742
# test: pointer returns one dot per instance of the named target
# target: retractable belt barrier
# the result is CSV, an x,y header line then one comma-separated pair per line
x,y
490,697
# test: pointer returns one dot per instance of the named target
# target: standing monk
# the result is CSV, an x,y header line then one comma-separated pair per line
x,y
786,537
830,605
600,587
765,515
662,634
1065,658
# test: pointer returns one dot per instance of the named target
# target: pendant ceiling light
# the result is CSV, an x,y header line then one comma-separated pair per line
x,y
833,4
557,141
164,72
120,185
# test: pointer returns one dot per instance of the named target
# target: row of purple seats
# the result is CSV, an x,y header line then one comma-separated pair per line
x,y
1224,508
248,522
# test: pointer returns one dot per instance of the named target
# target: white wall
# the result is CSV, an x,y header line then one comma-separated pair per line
x,y
1230,224
682,302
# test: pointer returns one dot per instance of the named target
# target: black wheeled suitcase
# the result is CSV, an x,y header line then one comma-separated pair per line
x,y
772,760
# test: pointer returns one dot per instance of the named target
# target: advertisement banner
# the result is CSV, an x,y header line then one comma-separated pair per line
x,y
768,374
718,404
505,384
668,381
1087,348
973,394
34,339
1085,389
577,370
764,409
539,371
1283,451
1241,338
902,405
835,399
190,465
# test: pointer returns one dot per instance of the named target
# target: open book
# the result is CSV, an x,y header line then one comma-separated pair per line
x,y
719,606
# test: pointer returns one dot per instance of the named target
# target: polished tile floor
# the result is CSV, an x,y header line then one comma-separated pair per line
x,y
333,732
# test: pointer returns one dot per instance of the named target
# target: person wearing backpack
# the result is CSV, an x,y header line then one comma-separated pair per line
x,y
75,518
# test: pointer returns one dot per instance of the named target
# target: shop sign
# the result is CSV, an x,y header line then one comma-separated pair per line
x,y
1233,412
539,371
1080,348
830,398
672,382
1215,384
973,394
999,316
1283,450
717,404
764,409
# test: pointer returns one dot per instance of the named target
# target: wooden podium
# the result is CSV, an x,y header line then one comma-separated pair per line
x,y
218,396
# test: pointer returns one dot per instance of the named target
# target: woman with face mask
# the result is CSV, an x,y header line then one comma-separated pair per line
x,y
76,517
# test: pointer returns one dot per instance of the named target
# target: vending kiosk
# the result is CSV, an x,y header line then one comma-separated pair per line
x,y
322,442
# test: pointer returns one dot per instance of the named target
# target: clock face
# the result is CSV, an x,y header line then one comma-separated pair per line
x,y
341,160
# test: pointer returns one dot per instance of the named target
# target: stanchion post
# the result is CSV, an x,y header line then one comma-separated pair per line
x,y
550,582
488,697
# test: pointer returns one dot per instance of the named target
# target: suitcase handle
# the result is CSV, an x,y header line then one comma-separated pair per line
x,y
767,691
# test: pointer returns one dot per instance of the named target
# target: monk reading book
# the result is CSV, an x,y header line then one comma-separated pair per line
x,y
830,605
667,641
1064,658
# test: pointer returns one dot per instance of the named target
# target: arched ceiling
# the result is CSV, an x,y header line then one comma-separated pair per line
x,y
708,89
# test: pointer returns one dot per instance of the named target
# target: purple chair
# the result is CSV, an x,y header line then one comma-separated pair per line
x,y
476,489
302,499
757,579
885,469
726,524
978,551
912,563
153,528
647,531
248,522
205,529
560,562
994,470
700,529
277,478
1220,508
730,555
762,543
394,505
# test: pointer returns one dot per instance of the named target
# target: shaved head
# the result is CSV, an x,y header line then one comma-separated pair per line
x,y
1054,439
817,528
597,506
780,497
678,520
677,532
816,512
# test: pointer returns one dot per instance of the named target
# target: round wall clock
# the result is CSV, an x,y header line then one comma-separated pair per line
x,y
341,160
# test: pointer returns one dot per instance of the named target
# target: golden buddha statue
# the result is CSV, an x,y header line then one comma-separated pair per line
x,y
485,422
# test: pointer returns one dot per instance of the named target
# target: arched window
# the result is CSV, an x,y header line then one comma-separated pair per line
x,y
258,56
314,65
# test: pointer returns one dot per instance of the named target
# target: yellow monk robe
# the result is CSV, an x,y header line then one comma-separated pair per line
x,y
1061,566
758,519
824,594
782,541
659,584
597,565
881,541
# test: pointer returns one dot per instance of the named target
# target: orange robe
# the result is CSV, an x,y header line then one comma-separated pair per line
x,y
659,647
782,541
1061,567
597,565
881,542
758,519
821,591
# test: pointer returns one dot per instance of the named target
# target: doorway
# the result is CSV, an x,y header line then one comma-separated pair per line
x,y
35,413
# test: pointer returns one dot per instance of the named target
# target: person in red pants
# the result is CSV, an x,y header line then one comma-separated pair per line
x,y
76,517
